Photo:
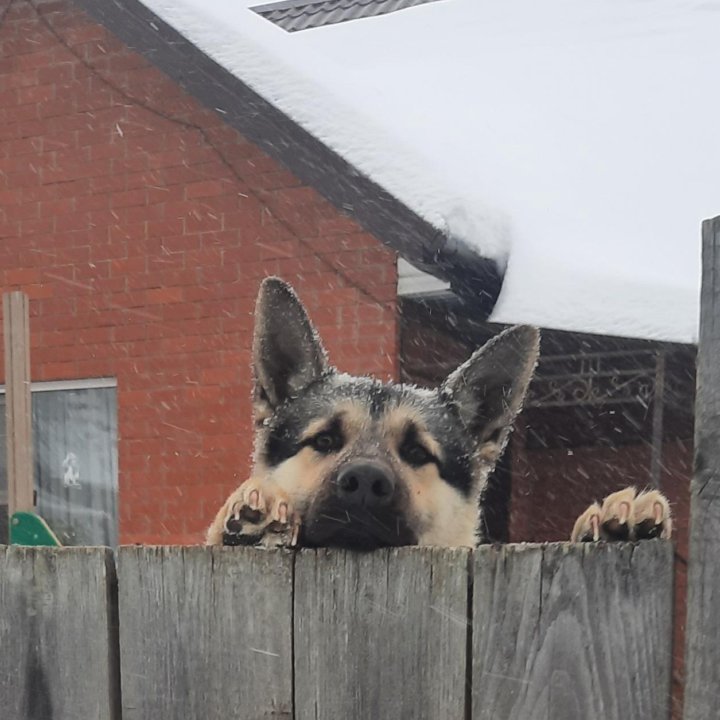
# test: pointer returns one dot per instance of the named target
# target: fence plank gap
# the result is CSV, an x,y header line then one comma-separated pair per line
x,y
58,657
381,635
567,632
702,652
18,413
205,633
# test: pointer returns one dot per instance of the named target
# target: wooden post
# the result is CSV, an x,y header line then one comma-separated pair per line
x,y
702,651
18,411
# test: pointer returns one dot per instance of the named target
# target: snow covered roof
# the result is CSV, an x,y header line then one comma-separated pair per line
x,y
574,144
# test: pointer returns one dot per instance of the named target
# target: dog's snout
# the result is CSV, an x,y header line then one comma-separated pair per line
x,y
365,484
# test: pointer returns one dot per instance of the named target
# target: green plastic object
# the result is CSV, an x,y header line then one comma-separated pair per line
x,y
27,528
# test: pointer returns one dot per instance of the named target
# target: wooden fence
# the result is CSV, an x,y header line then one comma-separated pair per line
x,y
702,631
521,632
551,632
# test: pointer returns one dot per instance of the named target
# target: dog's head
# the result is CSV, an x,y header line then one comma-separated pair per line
x,y
371,464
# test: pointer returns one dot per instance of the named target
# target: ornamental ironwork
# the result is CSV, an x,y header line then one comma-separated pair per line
x,y
609,378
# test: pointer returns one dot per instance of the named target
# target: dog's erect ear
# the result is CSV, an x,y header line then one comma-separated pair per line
x,y
488,390
287,352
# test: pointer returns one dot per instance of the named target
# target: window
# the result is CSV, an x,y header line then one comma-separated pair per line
x,y
75,454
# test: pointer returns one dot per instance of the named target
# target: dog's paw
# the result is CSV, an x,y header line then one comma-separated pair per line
x,y
625,515
255,514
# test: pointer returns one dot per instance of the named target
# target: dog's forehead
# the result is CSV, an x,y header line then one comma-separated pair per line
x,y
371,399
377,398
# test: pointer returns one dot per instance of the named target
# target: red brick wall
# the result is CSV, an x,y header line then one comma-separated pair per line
x,y
140,225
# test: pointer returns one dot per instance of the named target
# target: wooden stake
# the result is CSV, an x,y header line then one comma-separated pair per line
x,y
702,650
18,411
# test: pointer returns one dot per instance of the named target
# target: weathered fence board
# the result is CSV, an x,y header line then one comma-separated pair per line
x,y
381,635
58,634
702,631
205,633
563,632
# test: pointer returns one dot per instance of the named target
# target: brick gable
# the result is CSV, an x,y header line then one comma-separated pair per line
x,y
141,225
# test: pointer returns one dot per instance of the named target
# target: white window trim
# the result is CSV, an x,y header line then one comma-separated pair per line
x,y
88,384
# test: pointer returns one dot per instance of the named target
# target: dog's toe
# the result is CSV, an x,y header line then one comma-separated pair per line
x,y
587,526
284,522
617,515
652,516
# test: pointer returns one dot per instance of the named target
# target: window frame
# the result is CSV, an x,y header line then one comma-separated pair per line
x,y
97,383
85,384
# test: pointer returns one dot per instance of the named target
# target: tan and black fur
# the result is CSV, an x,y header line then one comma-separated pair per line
x,y
353,462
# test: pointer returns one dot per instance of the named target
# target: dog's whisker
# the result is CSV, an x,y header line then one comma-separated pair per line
x,y
336,519
375,520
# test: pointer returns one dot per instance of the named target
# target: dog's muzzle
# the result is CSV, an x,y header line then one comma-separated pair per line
x,y
361,511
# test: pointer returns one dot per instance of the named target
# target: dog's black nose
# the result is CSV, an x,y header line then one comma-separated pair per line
x,y
365,484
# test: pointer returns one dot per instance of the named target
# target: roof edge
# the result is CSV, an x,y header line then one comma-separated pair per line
x,y
449,258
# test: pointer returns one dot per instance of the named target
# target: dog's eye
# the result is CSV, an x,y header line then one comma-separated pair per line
x,y
327,442
415,454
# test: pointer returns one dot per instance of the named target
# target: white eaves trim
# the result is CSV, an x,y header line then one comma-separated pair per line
x,y
412,281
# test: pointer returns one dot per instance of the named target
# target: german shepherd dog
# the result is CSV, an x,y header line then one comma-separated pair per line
x,y
353,462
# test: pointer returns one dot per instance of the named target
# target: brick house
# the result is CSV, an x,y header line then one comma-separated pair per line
x,y
140,219
140,225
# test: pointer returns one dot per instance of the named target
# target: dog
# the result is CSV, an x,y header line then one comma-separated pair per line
x,y
352,462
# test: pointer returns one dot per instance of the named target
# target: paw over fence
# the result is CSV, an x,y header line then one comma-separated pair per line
x,y
554,632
